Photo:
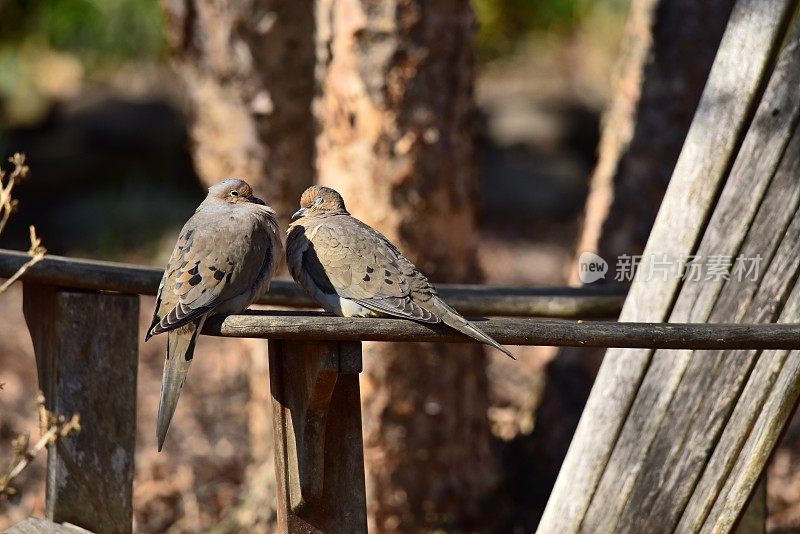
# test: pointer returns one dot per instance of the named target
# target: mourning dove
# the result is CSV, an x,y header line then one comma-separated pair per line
x,y
225,257
354,271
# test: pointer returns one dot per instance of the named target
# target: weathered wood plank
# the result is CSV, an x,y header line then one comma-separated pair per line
x,y
761,381
35,525
776,211
754,455
643,420
713,389
660,389
86,352
83,274
759,417
754,520
752,175
699,411
468,299
667,368
760,384
767,231
319,456
317,326
684,423
754,30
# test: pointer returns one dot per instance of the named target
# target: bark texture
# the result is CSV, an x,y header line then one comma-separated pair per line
x,y
247,67
667,52
397,122
248,70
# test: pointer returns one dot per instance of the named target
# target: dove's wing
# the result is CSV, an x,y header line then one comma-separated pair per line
x,y
342,255
211,264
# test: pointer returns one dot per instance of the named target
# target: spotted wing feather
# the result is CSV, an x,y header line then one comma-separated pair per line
x,y
205,270
360,264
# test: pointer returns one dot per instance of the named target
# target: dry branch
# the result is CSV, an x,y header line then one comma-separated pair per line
x,y
36,252
52,427
8,205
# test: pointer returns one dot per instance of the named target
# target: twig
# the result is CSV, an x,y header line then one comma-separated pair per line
x,y
7,203
36,252
53,428
7,207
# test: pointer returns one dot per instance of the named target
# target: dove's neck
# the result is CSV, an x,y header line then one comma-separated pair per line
x,y
265,216
318,216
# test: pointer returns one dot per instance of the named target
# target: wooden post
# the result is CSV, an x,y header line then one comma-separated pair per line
x,y
86,356
319,454
754,518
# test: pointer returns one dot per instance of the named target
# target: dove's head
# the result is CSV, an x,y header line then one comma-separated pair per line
x,y
319,200
233,191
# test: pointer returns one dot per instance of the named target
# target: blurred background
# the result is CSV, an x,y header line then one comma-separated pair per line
x,y
491,140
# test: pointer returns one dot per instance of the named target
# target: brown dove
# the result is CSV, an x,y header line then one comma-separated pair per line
x,y
224,259
354,271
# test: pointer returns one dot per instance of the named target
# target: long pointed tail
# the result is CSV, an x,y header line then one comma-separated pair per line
x,y
180,350
451,318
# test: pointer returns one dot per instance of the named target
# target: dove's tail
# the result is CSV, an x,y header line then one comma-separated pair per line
x,y
180,349
451,318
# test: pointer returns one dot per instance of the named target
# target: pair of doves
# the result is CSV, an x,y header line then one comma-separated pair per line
x,y
229,250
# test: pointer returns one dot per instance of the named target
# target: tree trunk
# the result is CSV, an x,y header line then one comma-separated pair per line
x,y
668,49
247,67
397,122
248,70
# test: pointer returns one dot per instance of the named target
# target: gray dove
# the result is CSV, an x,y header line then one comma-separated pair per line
x,y
225,257
354,271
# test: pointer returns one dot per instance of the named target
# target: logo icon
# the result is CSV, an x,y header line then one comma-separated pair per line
x,y
591,267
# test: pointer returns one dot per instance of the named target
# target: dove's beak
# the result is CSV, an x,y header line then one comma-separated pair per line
x,y
299,213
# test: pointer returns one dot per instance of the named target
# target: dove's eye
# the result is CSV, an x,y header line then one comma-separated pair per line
x,y
319,201
234,193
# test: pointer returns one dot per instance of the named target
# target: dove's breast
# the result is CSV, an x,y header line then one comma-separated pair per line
x,y
274,252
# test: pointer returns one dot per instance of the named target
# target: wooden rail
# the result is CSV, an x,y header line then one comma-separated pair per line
x,y
307,326
83,319
468,299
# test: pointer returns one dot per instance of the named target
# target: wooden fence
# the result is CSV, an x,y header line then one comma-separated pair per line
x,y
84,321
